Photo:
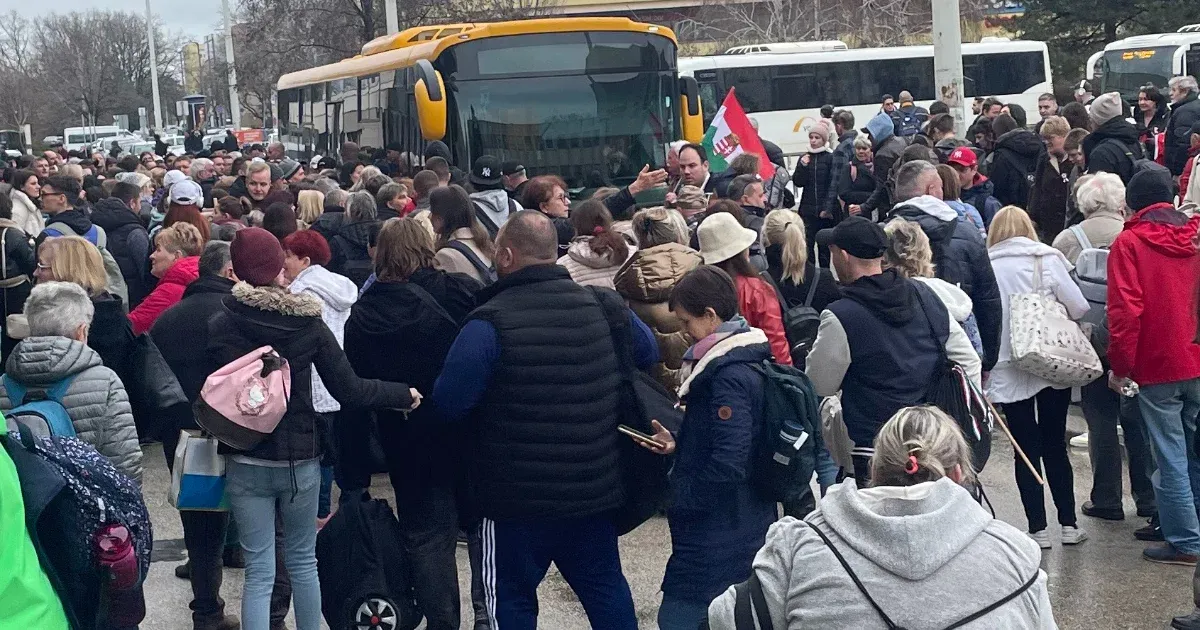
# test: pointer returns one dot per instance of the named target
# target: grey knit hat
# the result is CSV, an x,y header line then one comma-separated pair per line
x,y
1106,107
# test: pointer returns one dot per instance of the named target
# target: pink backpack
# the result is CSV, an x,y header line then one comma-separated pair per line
x,y
242,403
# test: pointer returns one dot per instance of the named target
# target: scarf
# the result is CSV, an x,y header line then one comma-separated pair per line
x,y
736,324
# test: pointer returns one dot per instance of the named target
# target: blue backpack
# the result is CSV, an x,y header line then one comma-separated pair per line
x,y
44,414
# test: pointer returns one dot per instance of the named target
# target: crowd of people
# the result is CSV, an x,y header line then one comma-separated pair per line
x,y
458,321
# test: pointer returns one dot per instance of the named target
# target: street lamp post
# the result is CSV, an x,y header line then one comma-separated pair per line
x,y
947,60
235,104
153,68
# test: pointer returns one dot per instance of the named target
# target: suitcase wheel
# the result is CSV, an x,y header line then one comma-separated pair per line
x,y
375,613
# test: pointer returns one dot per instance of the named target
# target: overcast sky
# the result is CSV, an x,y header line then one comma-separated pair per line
x,y
193,18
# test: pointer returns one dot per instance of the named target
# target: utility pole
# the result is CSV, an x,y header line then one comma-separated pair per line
x,y
235,104
947,60
393,19
153,68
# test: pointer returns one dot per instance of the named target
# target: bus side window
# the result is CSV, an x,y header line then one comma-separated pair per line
x,y
752,87
709,101
1191,60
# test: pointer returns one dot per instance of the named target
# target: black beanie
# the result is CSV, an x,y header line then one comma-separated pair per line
x,y
1149,187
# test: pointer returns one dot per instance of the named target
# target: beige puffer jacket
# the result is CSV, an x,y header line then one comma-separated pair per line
x,y
96,399
646,281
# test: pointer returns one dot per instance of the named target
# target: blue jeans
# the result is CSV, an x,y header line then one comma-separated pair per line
x,y
1169,411
680,614
253,492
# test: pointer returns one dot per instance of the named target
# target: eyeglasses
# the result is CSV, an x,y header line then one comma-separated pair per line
x,y
52,193
563,198
42,267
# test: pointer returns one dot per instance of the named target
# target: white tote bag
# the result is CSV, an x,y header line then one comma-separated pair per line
x,y
1045,342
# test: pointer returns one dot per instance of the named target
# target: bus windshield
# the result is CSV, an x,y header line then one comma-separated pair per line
x,y
1126,71
591,107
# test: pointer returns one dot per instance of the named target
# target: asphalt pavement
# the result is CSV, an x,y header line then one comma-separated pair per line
x,y
1102,584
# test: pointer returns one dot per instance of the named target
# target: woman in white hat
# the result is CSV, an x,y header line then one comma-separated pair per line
x,y
726,244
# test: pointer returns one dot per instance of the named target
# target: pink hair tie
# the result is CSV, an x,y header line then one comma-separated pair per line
x,y
911,467
598,230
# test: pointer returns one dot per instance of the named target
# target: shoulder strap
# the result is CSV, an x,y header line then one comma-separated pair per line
x,y
854,577
512,206
1037,274
16,391
429,301
483,217
812,289
1007,598
617,316
751,604
100,236
1080,236
464,249
929,321
58,228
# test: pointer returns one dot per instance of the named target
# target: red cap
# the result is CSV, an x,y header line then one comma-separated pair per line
x,y
963,156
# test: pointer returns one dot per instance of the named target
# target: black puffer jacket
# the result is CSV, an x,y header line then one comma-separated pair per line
x,y
1112,148
1049,197
960,257
270,316
856,183
1013,163
348,248
1183,115
129,243
181,332
19,262
329,222
394,334
816,178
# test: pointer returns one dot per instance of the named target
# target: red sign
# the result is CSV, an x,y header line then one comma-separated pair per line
x,y
250,136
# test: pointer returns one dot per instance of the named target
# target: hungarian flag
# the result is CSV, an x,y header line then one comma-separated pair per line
x,y
730,135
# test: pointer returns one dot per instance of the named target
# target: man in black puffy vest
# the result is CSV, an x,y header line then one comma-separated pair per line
x,y
534,373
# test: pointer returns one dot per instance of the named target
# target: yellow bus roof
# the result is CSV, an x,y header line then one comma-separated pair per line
x,y
427,42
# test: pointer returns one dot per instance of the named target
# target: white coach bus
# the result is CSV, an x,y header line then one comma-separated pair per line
x,y
1128,64
784,92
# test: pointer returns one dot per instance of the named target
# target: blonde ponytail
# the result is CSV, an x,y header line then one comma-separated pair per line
x,y
786,229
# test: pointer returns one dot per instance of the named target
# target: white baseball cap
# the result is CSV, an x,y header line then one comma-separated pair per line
x,y
187,193
174,177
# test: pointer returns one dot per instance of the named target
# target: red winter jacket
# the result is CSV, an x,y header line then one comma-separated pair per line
x,y
168,292
760,306
1153,275
1186,177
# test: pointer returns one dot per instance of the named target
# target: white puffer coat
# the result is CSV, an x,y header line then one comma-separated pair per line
x,y
589,268
337,294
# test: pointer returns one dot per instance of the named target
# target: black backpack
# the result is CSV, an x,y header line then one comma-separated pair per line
x,y
785,452
951,390
1137,164
364,574
487,273
800,322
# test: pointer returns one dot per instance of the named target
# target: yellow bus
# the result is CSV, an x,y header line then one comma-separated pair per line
x,y
589,99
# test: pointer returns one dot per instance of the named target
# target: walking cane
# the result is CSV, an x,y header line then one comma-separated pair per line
x,y
1016,447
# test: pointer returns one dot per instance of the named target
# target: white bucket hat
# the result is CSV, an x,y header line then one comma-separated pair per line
x,y
722,237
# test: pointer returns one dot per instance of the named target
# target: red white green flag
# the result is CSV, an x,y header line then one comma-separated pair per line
x,y
730,135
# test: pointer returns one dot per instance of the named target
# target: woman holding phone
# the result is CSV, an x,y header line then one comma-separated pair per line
x,y
717,519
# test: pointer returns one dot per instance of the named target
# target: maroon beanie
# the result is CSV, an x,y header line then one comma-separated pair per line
x,y
257,256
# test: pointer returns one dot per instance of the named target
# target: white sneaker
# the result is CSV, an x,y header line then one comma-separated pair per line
x,y
1080,441
1042,538
1072,535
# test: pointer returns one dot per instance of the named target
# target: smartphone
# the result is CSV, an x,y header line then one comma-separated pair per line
x,y
638,436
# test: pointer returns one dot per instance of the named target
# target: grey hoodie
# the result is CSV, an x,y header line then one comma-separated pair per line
x,y
928,554
497,205
96,399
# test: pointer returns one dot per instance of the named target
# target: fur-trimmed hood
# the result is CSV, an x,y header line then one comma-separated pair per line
x,y
748,346
277,300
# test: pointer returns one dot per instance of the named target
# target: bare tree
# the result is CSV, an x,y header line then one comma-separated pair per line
x,y
866,23
20,89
